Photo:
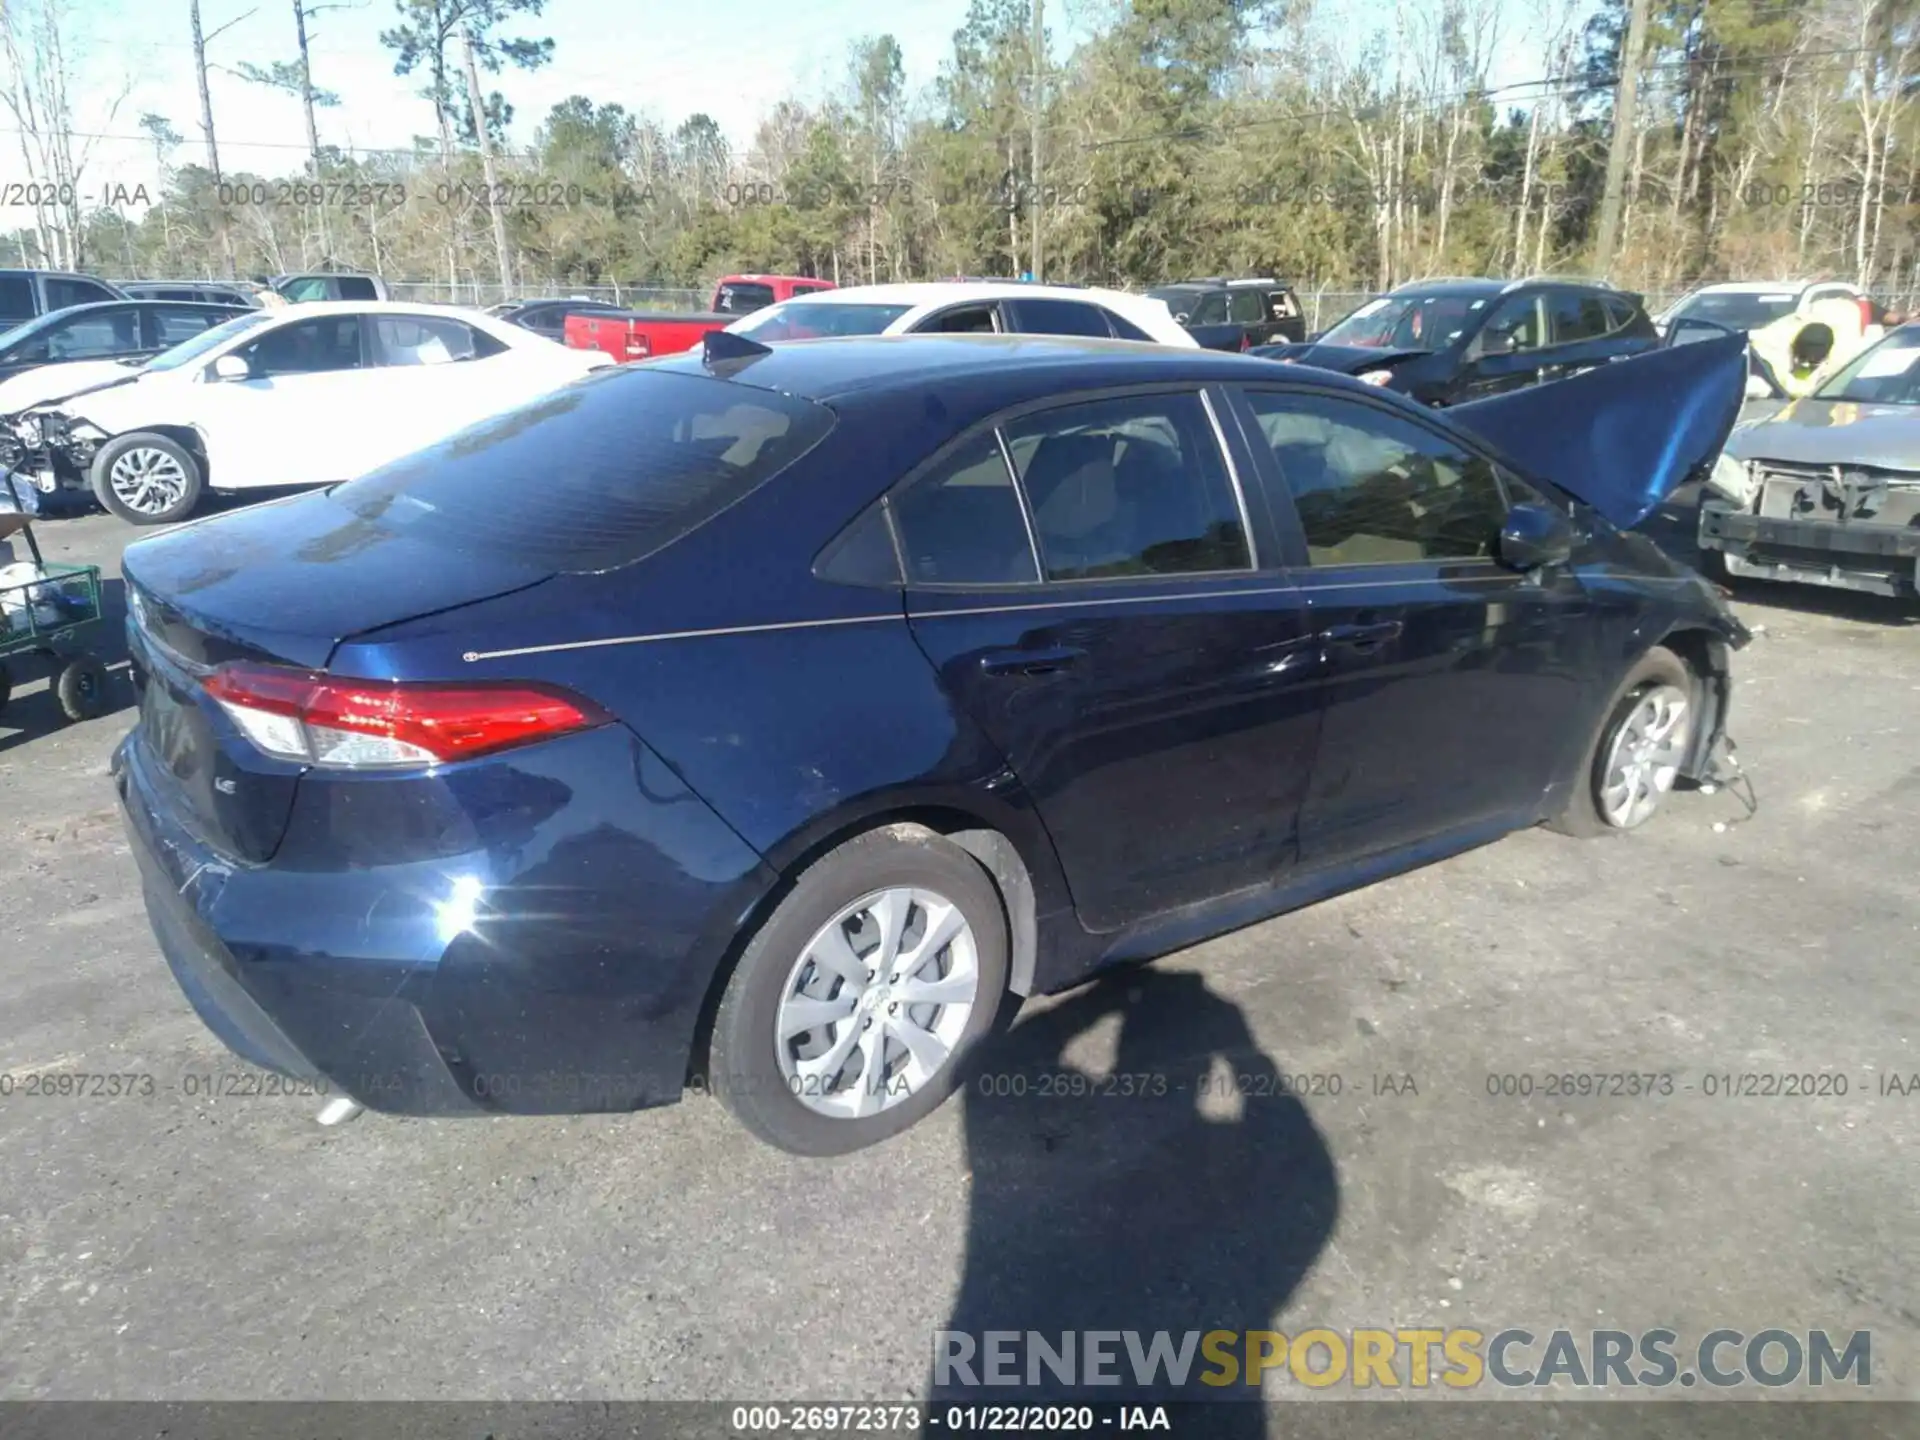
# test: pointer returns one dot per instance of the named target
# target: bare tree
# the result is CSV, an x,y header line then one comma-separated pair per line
x,y
200,43
36,89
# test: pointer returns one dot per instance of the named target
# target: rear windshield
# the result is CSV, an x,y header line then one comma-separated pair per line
x,y
737,297
817,320
1736,311
599,474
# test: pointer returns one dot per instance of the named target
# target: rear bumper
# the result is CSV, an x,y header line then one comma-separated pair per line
x,y
1859,555
560,974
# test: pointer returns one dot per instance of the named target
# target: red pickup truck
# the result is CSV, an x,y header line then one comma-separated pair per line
x,y
643,334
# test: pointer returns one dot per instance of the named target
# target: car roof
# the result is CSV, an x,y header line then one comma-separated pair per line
x,y
377,307
822,370
945,292
1763,287
1461,285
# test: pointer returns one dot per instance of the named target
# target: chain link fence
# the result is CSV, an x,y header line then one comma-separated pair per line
x,y
480,294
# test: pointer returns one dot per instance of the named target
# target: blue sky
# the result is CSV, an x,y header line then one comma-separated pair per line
x,y
732,59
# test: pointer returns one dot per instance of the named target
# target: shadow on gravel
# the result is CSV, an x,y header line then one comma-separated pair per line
x,y
1178,1191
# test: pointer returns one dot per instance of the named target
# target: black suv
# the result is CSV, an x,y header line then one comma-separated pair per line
x,y
1225,314
1448,341
28,294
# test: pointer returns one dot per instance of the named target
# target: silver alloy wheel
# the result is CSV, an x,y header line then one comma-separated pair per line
x,y
877,1002
1645,757
148,480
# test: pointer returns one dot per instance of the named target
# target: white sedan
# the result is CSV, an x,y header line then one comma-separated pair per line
x,y
302,395
967,308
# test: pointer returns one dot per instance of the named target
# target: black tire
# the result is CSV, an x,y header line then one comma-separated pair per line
x,y
146,442
744,1068
6,686
1581,814
82,688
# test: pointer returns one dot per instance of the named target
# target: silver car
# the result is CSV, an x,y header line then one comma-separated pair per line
x,y
1826,490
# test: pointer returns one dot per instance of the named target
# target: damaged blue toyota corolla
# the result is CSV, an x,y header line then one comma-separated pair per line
x,y
770,715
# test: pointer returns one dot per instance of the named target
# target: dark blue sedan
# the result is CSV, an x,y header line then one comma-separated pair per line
x,y
765,717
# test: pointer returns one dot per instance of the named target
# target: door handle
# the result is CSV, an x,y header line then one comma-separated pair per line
x,y
1362,637
1048,660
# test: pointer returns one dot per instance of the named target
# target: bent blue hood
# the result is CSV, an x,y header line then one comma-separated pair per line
x,y
1626,435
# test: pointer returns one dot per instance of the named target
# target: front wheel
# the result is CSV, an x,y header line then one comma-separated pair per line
x,y
853,1007
147,479
1634,760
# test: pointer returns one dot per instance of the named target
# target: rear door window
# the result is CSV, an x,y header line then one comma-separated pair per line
x,y
357,287
1059,317
738,297
63,292
1134,485
597,475
960,320
423,340
962,525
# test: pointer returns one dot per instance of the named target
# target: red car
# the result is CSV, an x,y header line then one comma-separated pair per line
x,y
643,334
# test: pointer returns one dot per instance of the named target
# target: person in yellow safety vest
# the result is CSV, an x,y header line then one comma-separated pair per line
x,y
1804,348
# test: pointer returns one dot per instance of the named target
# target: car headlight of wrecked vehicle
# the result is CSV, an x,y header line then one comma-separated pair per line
x,y
1732,480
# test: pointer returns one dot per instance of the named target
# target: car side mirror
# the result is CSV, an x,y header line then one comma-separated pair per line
x,y
1534,536
232,367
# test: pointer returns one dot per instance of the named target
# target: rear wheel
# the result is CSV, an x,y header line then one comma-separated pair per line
x,y
853,1007
147,479
1636,756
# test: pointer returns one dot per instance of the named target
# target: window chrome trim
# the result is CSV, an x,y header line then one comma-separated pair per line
x,y
1233,478
1020,499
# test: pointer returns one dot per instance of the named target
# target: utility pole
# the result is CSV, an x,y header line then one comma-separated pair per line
x,y
1625,94
476,100
206,126
1039,97
313,128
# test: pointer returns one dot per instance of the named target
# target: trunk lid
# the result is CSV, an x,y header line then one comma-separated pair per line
x,y
283,583
1625,435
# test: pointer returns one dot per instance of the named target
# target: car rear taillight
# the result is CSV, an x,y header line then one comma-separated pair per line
x,y
1246,343
313,718
1866,313
639,345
